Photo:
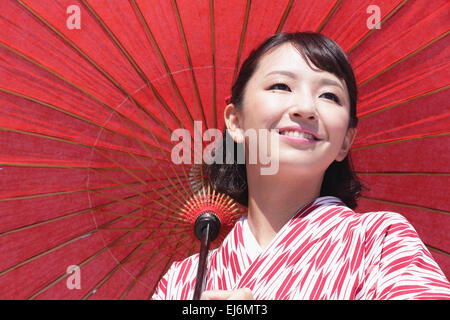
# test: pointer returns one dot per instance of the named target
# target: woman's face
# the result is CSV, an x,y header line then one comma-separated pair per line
x,y
285,96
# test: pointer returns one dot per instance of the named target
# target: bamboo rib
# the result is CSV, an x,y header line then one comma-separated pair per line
x,y
328,16
430,248
118,200
48,137
162,59
139,275
241,41
94,64
131,60
369,33
191,67
409,55
61,245
166,267
400,140
111,273
186,193
286,12
73,115
370,113
160,169
410,173
405,205
156,190
213,52
63,276
112,244
123,262
54,73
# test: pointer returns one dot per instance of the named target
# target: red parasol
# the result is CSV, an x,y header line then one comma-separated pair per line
x,y
91,202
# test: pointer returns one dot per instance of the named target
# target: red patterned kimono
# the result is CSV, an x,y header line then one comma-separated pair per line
x,y
326,251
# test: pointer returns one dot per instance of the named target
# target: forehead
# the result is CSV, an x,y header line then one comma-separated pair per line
x,y
287,57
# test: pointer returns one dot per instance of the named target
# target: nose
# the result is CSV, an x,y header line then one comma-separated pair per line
x,y
303,107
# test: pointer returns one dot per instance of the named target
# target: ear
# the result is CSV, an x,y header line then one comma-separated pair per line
x,y
348,140
233,123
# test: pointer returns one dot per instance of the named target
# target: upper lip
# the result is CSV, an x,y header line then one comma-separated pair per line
x,y
300,129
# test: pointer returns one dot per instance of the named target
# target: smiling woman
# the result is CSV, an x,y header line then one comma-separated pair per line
x,y
318,53
301,239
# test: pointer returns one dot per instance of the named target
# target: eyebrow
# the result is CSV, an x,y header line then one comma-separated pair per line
x,y
284,73
323,81
330,82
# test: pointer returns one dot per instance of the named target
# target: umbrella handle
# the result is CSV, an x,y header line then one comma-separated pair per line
x,y
207,228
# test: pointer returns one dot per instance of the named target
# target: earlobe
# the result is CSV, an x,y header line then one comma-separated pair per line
x,y
348,141
232,122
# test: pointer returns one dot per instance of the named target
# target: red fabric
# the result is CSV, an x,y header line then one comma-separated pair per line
x,y
86,117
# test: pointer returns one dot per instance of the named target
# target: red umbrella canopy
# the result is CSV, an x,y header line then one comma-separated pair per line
x,y
91,92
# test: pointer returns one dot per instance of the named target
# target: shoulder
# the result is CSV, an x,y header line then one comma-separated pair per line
x,y
381,223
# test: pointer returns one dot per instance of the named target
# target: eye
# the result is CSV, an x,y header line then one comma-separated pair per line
x,y
330,96
280,86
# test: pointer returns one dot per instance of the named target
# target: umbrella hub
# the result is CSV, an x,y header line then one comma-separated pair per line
x,y
207,222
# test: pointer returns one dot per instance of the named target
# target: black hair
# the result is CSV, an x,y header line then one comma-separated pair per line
x,y
339,179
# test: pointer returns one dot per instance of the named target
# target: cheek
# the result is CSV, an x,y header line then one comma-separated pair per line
x,y
261,114
336,124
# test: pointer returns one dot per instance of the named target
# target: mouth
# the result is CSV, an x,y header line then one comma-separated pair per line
x,y
298,133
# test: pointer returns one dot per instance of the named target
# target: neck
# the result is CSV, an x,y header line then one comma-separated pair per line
x,y
275,199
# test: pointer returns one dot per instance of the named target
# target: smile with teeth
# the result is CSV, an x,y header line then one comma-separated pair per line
x,y
297,134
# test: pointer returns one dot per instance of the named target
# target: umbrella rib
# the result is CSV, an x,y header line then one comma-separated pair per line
x,y
44,165
129,187
54,73
191,69
161,57
115,269
158,164
286,12
51,194
406,205
136,279
39,255
171,234
68,242
328,16
370,113
370,32
241,41
163,61
142,182
49,137
409,55
403,139
152,201
405,173
213,57
57,280
95,65
190,251
186,193
131,60
70,114
430,248
69,215
146,268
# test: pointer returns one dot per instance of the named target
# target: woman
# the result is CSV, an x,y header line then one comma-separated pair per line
x,y
301,239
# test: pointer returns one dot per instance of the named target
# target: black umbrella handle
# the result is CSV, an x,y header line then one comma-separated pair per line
x,y
207,227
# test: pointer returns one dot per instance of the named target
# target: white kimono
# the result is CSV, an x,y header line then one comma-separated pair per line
x,y
326,251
